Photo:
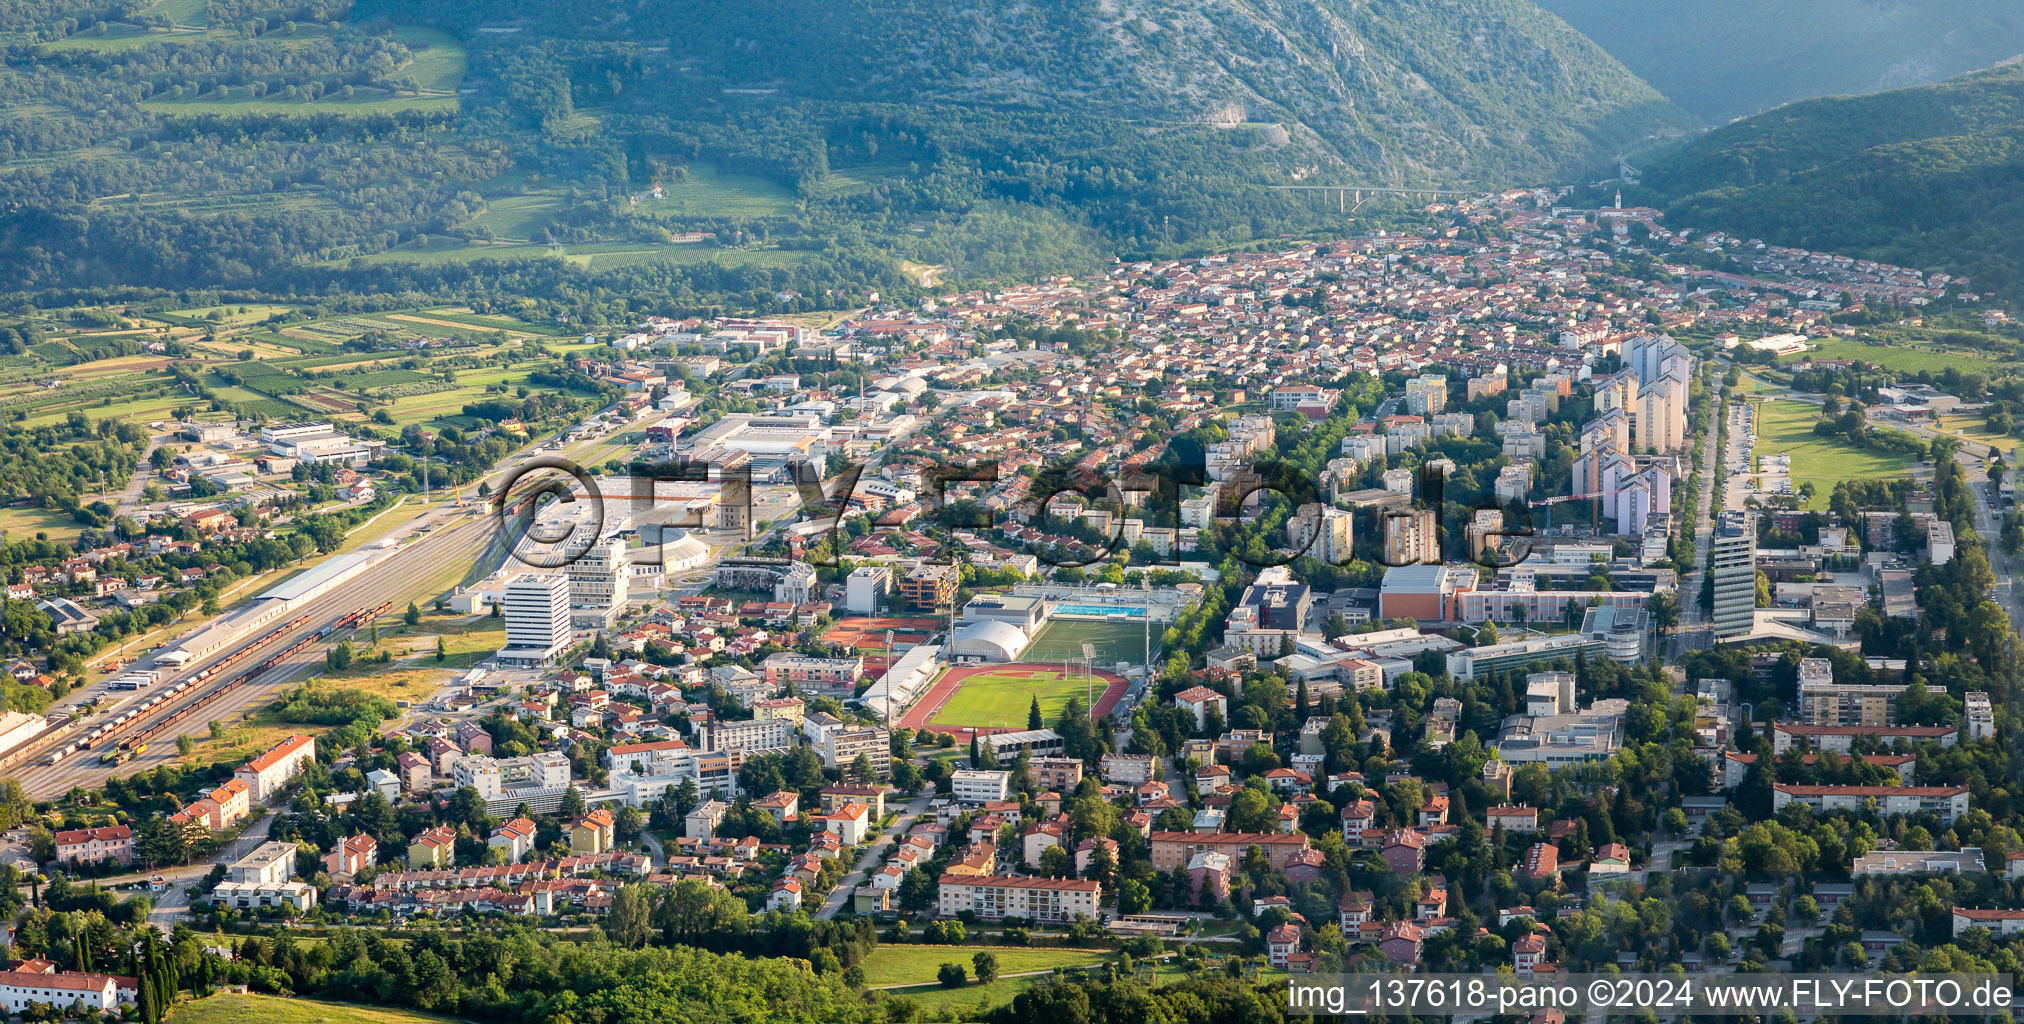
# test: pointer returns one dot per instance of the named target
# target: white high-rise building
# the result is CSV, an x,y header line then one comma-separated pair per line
x,y
537,618
1733,564
865,588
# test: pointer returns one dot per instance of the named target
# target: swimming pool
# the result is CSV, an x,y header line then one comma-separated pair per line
x,y
1091,609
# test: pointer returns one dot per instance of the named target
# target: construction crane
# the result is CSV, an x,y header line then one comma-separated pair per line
x,y
1548,502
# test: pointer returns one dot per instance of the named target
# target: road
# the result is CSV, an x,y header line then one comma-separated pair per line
x,y
1692,631
873,854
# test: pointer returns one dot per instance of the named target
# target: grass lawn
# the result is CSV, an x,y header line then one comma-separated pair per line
x,y
252,1009
1062,639
1786,426
908,964
1002,698
969,1002
24,523
1897,358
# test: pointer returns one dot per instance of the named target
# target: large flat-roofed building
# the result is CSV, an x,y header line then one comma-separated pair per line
x,y
754,734
1841,739
1949,802
1848,703
1622,630
269,863
1272,612
1171,850
537,618
1423,592
1035,742
1476,662
1036,899
1569,737
802,670
1411,537
598,583
842,745
980,785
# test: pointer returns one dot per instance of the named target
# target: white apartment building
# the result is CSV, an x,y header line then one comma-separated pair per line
x,y
864,590
1949,802
756,734
980,785
537,618
1037,899
265,775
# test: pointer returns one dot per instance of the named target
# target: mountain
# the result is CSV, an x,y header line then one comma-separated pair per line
x,y
418,145
1413,91
1724,59
1930,177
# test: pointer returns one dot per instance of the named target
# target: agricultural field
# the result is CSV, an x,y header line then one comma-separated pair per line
x,y
1061,640
1786,426
233,1008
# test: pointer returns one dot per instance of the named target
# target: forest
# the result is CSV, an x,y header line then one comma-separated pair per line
x,y
1929,177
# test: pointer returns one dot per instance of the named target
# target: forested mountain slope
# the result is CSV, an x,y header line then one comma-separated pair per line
x,y
1930,176
1724,59
737,150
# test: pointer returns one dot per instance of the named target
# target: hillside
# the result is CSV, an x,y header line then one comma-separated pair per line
x,y
1930,176
711,150
1723,59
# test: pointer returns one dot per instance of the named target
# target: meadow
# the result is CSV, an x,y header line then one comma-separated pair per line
x,y
234,1008
1786,426
910,964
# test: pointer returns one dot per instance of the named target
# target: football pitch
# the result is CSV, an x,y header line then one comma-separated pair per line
x,y
1062,639
1000,698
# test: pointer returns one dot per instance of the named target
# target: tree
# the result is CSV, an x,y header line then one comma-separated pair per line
x,y
413,616
572,802
951,975
1133,897
628,923
186,745
1033,720
442,652
986,964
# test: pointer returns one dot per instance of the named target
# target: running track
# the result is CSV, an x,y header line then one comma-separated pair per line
x,y
931,702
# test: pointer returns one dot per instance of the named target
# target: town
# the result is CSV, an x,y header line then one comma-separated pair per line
x,y
1548,590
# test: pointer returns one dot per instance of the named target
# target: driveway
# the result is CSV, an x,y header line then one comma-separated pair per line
x,y
873,854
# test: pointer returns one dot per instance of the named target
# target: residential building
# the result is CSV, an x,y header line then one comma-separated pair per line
x,y
264,776
993,897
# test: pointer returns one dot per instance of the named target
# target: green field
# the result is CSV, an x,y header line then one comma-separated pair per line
x,y
1896,358
1786,426
908,965
25,523
1000,699
1062,639
593,255
251,1009
437,66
